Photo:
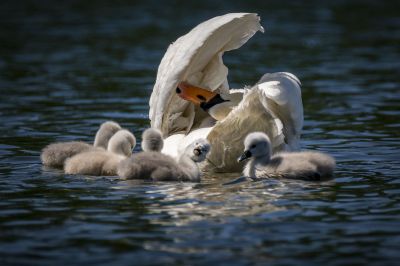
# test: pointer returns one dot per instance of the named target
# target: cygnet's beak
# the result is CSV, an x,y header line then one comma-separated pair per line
x,y
246,154
197,151
201,149
194,94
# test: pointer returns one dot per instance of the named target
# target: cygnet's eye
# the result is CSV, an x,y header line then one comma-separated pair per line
x,y
253,146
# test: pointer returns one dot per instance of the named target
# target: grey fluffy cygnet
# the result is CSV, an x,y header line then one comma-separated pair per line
x,y
152,140
105,132
102,162
295,165
156,166
55,154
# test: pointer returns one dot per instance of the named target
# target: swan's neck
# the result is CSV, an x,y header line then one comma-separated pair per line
x,y
249,169
189,167
119,149
251,166
221,105
217,107
104,134
220,111
102,138
262,160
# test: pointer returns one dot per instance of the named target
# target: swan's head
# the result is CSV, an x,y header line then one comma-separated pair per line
x,y
211,102
122,143
198,150
256,144
105,132
152,140
194,94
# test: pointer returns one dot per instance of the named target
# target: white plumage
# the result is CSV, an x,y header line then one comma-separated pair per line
x,y
273,105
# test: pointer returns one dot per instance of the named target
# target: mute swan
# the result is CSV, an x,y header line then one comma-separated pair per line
x,y
160,167
191,98
55,154
297,165
103,162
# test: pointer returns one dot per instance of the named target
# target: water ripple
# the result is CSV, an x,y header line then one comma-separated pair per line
x,y
66,68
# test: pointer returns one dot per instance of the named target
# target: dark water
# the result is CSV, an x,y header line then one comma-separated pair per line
x,y
65,68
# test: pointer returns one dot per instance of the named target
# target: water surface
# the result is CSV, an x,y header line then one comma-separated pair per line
x,y
66,68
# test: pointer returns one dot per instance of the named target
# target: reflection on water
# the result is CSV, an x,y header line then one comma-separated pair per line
x,y
66,68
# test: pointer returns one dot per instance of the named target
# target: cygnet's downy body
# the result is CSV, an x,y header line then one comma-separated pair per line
x,y
103,163
156,166
294,165
55,154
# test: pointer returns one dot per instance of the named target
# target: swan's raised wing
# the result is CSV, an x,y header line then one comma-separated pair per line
x,y
282,99
273,106
197,58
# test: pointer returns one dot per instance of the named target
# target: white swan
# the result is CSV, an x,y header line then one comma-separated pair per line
x,y
273,105
102,162
296,165
160,167
55,154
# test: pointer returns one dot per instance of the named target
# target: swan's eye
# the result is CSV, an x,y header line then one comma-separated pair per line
x,y
178,90
253,146
201,98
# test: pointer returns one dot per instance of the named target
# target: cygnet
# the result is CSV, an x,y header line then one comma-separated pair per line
x,y
104,134
295,165
152,140
160,167
103,163
55,154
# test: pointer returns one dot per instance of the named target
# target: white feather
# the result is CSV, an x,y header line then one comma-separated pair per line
x,y
273,105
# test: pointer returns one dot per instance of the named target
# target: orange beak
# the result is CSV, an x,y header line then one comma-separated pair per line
x,y
194,94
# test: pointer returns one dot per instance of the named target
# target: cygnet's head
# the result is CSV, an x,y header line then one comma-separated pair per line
x,y
152,140
198,150
122,143
105,132
256,144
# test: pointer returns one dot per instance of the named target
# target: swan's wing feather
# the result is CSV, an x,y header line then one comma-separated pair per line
x,y
226,137
197,58
282,98
273,106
